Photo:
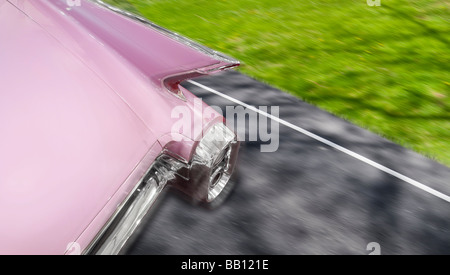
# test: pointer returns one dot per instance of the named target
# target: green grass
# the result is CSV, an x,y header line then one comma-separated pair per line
x,y
385,68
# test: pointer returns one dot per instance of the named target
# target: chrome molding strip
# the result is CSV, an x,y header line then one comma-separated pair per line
x,y
119,228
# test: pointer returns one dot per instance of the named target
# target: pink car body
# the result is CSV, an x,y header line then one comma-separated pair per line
x,y
85,113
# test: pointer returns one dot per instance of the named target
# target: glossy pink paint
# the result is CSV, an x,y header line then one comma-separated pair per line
x,y
83,113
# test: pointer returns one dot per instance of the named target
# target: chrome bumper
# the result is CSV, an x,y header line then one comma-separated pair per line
x,y
203,178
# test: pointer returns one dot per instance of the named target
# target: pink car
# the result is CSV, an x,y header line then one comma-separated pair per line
x,y
88,133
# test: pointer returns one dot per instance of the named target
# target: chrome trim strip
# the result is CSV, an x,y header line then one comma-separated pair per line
x,y
128,215
122,227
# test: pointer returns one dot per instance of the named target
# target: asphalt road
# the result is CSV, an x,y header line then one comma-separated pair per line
x,y
307,197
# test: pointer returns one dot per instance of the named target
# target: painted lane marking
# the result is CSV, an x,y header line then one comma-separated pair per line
x,y
331,144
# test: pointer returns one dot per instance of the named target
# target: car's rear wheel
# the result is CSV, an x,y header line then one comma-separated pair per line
x,y
212,166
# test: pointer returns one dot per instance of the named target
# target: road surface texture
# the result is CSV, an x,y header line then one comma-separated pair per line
x,y
308,197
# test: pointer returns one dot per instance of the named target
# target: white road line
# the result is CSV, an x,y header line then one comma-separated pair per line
x,y
331,144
